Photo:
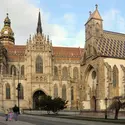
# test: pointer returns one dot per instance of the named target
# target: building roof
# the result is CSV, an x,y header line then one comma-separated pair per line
x,y
17,52
112,44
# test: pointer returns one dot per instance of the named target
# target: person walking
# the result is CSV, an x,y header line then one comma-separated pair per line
x,y
10,115
6,111
16,112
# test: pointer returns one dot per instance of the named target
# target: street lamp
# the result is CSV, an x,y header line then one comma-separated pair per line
x,y
106,99
18,93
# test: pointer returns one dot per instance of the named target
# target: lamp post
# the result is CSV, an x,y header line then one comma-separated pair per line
x,y
18,92
106,108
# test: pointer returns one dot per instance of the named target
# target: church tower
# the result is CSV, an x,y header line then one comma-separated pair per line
x,y
94,25
7,34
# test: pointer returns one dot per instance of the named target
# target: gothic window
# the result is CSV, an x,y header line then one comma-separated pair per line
x,y
7,91
55,91
72,93
39,65
64,73
22,70
75,73
115,76
21,92
64,92
55,71
13,70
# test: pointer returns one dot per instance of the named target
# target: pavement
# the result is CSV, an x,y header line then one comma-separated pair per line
x,y
13,122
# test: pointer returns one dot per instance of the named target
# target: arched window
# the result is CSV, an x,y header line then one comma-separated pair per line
x,y
22,70
115,76
55,71
13,70
64,73
72,93
64,92
7,91
21,92
75,73
39,65
55,91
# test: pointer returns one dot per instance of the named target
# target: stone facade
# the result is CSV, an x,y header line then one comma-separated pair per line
x,y
102,65
39,67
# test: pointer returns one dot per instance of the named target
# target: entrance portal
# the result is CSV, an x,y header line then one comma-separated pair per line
x,y
37,97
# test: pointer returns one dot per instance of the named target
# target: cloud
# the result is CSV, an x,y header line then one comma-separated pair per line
x,y
70,18
24,16
114,21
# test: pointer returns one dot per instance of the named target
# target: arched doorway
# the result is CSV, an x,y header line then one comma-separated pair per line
x,y
37,96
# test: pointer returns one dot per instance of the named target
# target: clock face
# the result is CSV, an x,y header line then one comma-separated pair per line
x,y
6,32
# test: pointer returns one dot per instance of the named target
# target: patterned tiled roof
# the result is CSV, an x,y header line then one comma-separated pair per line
x,y
112,44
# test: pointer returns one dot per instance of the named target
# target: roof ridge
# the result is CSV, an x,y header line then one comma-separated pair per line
x,y
106,31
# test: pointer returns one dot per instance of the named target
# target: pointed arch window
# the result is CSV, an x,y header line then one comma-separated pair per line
x,y
72,93
115,76
55,91
75,73
64,92
13,70
7,91
22,70
21,92
64,73
39,65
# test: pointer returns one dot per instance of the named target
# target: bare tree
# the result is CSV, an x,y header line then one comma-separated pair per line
x,y
117,104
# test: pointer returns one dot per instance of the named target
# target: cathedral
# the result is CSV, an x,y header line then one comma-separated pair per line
x,y
87,77
102,64
37,69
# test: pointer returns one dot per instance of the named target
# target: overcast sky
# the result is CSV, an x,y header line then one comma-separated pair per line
x,y
62,20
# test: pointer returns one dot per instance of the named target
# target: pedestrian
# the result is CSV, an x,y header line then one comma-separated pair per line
x,y
10,115
6,114
16,112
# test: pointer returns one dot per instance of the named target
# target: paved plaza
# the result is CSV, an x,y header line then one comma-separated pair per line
x,y
40,120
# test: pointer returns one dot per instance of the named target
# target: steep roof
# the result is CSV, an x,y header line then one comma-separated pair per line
x,y
67,53
16,53
95,15
112,44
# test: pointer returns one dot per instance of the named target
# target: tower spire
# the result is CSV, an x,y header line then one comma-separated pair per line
x,y
39,26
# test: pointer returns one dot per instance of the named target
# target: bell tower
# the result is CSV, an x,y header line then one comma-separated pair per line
x,y
94,25
7,34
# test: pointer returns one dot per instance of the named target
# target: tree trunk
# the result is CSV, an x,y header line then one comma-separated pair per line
x,y
116,113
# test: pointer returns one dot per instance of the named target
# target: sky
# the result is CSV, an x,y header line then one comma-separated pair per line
x,y
62,20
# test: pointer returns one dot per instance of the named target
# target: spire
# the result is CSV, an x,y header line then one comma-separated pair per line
x,y
95,14
7,21
96,6
39,27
